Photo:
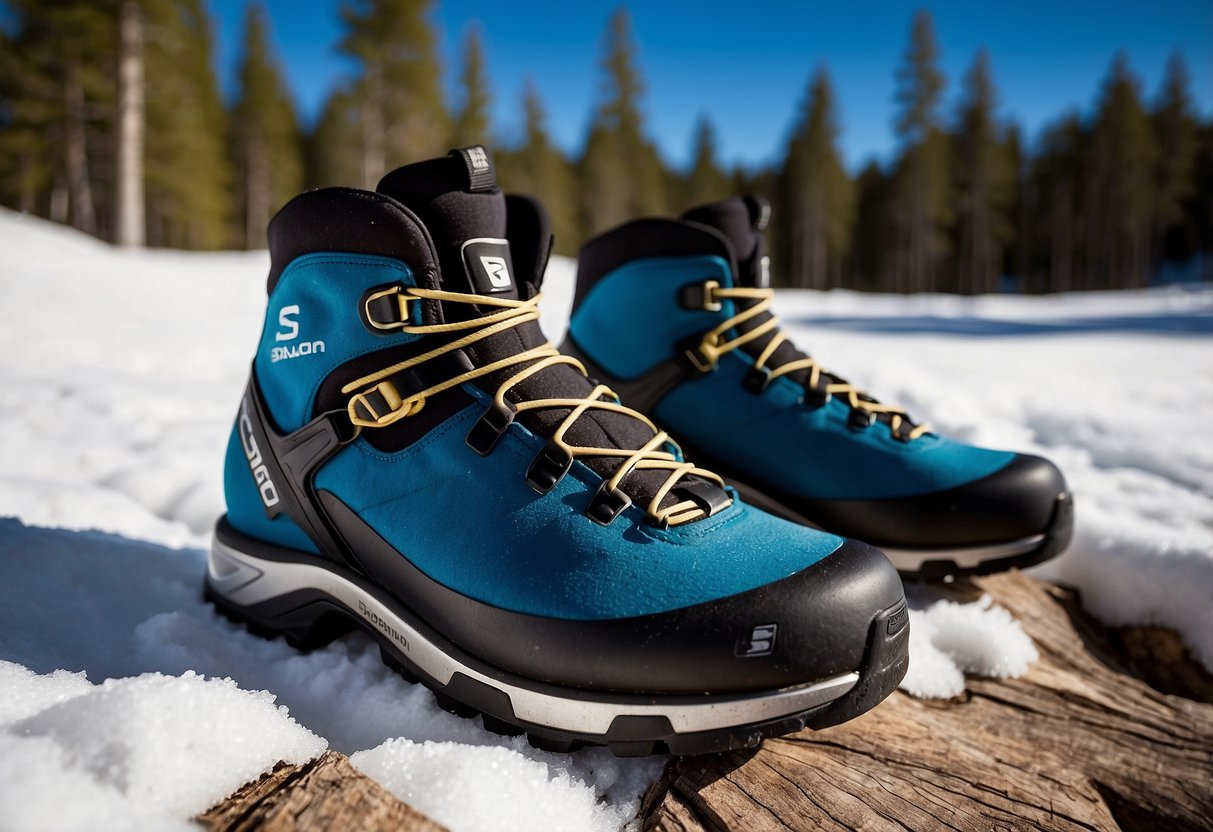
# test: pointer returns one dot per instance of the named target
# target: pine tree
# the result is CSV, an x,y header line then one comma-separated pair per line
x,y
706,182
538,168
1199,209
1123,159
1058,193
985,184
334,150
1175,131
62,91
871,243
130,214
186,166
621,170
267,143
398,95
819,205
472,122
922,202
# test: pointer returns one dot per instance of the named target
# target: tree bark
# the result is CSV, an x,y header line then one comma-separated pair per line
x,y
130,216
257,193
80,191
327,793
374,162
1078,743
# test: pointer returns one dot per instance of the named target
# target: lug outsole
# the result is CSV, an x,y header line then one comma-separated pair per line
x,y
318,623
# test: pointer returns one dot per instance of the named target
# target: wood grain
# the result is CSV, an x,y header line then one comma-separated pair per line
x,y
326,794
1078,743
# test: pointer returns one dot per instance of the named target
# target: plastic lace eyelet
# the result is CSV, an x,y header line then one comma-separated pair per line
x,y
816,397
697,297
384,310
756,380
859,419
607,504
548,468
490,427
904,429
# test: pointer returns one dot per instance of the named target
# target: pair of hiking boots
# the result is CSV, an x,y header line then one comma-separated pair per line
x,y
412,456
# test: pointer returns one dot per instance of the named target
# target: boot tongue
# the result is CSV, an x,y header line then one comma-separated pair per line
x,y
742,220
457,198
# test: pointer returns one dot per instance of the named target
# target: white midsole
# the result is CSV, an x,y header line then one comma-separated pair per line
x,y
969,557
245,580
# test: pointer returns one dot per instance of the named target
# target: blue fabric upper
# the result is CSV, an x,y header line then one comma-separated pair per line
x,y
628,332
772,436
327,289
471,522
474,525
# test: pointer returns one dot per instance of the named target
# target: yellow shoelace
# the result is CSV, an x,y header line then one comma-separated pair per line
x,y
714,344
514,313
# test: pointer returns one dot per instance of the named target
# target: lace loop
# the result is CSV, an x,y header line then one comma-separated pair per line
x,y
715,343
375,403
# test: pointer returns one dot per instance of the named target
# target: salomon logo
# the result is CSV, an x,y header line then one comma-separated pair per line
x,y
290,327
384,627
261,474
497,270
289,332
758,642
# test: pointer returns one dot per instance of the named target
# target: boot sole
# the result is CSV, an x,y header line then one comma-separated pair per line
x,y
311,604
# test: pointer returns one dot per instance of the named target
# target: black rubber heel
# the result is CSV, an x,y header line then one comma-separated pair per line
x,y
305,628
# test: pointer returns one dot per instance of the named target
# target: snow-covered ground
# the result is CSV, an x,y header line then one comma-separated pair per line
x,y
119,377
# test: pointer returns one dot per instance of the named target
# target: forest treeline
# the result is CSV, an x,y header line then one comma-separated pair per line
x,y
112,120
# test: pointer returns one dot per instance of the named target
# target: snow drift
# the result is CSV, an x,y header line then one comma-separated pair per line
x,y
120,376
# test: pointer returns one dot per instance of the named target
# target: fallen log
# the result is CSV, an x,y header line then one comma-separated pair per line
x,y
326,793
1080,742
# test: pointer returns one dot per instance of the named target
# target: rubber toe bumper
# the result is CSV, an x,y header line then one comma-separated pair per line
x,y
1014,502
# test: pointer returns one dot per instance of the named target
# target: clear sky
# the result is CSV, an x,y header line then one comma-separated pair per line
x,y
747,64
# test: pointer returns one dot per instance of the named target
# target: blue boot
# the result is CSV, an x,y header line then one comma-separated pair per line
x,y
412,457
675,315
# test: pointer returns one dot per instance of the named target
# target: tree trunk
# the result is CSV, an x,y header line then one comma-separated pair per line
x,y
327,793
1077,744
79,188
27,196
374,163
257,193
58,208
130,216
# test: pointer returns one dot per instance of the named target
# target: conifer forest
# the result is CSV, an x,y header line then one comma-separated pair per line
x,y
112,120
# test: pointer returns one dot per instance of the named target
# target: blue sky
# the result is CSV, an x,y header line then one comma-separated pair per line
x,y
746,64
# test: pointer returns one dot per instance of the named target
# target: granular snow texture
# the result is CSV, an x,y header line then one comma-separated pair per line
x,y
113,422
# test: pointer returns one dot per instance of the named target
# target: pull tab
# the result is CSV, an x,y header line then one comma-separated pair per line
x,y
481,176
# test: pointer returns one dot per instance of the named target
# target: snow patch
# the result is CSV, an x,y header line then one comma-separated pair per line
x,y
466,789
949,640
143,752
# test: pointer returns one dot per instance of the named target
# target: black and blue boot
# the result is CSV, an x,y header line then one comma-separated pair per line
x,y
675,315
412,457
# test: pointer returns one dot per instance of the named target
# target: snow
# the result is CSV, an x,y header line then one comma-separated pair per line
x,y
120,376
138,752
949,640
433,776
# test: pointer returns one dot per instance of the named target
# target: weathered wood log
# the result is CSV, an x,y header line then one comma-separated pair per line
x,y
1078,743
326,793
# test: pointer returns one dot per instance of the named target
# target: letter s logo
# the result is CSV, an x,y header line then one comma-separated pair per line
x,y
290,327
